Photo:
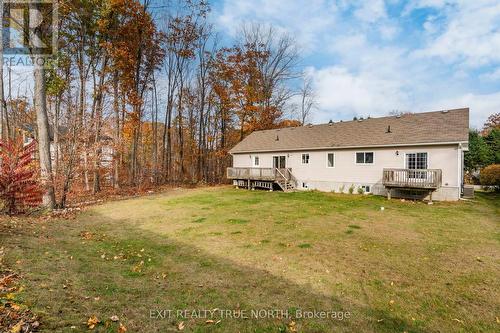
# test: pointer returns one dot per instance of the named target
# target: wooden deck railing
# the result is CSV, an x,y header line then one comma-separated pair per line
x,y
251,173
409,178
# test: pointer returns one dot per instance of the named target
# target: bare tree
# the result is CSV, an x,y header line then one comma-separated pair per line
x,y
281,65
307,100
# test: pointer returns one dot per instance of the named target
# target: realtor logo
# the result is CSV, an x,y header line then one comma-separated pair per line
x,y
29,27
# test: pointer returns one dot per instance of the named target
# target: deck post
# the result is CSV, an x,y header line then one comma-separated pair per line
x,y
389,193
430,197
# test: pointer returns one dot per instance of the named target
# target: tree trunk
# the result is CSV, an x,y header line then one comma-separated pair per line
x,y
116,152
154,115
43,134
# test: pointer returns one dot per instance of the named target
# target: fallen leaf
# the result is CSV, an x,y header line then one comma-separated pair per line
x,y
460,321
210,321
391,302
15,307
180,326
122,328
92,322
17,327
114,318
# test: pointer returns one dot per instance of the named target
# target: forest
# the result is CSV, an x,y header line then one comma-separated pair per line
x,y
140,95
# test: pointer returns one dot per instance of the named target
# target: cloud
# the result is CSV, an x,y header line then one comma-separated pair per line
x,y
491,76
471,37
344,94
481,106
371,11
308,21
372,57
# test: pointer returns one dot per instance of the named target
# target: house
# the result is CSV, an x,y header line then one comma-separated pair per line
x,y
419,154
106,143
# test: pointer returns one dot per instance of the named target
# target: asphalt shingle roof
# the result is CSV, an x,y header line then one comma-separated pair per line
x,y
417,128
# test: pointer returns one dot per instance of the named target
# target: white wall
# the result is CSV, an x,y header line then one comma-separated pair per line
x,y
346,172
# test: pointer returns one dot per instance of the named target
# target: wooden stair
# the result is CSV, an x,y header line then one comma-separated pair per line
x,y
286,180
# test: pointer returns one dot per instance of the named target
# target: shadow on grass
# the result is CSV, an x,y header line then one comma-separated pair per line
x,y
69,279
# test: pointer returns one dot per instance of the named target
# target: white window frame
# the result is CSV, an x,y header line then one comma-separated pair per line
x,y
308,158
405,166
364,188
256,161
328,161
364,152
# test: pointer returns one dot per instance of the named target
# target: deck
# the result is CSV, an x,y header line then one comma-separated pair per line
x,y
426,179
262,178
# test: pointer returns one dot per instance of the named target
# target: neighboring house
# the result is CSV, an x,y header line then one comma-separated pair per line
x,y
106,143
419,154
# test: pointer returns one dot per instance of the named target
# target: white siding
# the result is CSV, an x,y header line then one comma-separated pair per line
x,y
317,174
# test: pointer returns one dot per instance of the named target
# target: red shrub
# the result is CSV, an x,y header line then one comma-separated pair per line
x,y
19,187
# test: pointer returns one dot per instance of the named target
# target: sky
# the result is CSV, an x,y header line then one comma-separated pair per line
x,y
372,57
368,58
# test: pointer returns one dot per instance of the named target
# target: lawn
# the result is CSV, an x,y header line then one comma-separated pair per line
x,y
411,267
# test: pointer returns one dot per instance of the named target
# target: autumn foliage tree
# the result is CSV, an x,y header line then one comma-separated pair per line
x,y
19,185
141,95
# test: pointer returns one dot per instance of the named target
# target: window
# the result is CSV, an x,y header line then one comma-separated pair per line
x,y
366,188
331,160
256,161
416,161
364,158
305,158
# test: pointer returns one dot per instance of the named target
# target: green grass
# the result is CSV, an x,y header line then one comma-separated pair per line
x,y
412,267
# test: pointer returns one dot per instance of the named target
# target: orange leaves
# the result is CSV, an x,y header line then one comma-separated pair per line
x,y
92,322
239,85
19,185
122,328
134,44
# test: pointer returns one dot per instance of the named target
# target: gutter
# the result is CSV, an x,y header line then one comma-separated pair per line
x,y
351,147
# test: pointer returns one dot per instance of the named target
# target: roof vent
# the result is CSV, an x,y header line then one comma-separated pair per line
x,y
330,123
310,125
389,129
398,116
445,111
